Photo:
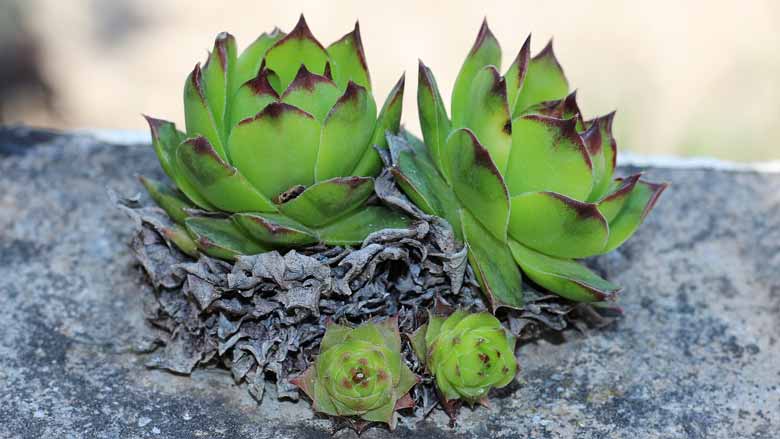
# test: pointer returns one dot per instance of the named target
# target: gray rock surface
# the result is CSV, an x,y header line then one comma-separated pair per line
x,y
696,356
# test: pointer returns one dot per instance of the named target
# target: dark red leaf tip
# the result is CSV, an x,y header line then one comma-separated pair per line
x,y
306,80
155,124
592,138
350,93
484,35
658,189
275,110
327,71
301,31
626,186
583,210
261,85
547,52
197,81
220,48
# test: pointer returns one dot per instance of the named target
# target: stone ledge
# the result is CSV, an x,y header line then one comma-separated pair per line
x,y
696,356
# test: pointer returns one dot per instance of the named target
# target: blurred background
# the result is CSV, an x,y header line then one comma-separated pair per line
x,y
687,78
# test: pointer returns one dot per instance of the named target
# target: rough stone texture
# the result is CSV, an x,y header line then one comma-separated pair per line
x,y
696,356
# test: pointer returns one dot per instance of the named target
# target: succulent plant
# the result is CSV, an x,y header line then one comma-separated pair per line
x,y
467,353
520,175
279,147
359,374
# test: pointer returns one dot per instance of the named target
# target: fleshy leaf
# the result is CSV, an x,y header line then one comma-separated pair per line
x,y
493,265
488,115
485,52
250,60
252,97
476,182
171,202
548,155
433,117
179,236
349,61
328,200
218,182
334,334
418,177
603,154
353,229
277,149
312,93
198,116
298,47
544,81
165,139
635,210
389,120
557,225
220,238
564,277
611,205
274,229
219,79
417,341
566,108
515,76
346,133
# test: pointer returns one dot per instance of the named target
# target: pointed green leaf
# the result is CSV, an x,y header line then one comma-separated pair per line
x,y
312,93
611,205
298,47
197,115
169,200
324,202
635,210
602,149
566,108
515,76
544,81
416,175
322,401
557,225
349,60
485,52
334,334
274,229
252,97
250,60
476,182
389,120
488,117
346,133
277,149
407,381
433,117
219,79
220,183
548,155
165,139
417,341
354,228
381,414
493,265
220,238
179,237
564,277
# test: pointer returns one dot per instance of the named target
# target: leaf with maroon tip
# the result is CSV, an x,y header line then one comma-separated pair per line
x,y
544,81
219,79
388,121
485,52
277,149
557,225
312,93
493,265
602,149
298,47
199,119
325,201
548,155
611,205
165,139
489,116
417,176
433,117
252,97
221,238
354,228
476,181
169,200
639,204
221,184
349,61
181,239
515,75
274,229
346,133
566,108
564,277
250,60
